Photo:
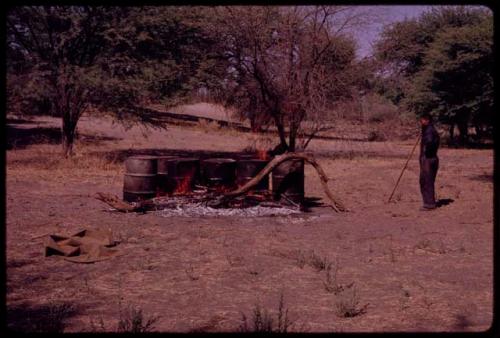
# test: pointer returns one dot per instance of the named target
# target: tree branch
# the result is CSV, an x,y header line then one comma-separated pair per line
x,y
335,203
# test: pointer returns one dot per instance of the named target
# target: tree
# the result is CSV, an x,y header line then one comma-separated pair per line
x,y
443,64
66,59
285,64
457,79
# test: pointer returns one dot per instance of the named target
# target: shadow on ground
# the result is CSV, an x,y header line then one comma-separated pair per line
x,y
41,318
22,137
482,178
486,144
444,201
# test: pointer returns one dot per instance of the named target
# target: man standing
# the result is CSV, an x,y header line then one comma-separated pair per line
x,y
429,162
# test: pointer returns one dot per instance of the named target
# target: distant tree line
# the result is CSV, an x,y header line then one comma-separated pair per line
x,y
442,63
280,66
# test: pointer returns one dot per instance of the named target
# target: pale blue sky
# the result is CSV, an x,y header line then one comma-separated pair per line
x,y
382,15
367,35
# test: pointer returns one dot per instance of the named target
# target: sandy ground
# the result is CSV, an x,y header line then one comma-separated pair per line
x,y
412,270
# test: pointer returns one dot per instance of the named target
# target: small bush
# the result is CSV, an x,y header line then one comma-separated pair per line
x,y
263,321
347,303
330,282
318,262
134,321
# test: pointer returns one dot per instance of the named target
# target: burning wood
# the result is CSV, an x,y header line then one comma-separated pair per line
x,y
335,203
220,195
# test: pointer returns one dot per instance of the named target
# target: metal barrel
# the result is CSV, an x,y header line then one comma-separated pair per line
x,y
140,178
246,156
164,184
218,172
288,180
183,173
246,169
162,167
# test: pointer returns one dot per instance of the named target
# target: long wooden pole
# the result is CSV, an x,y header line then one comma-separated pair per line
x,y
404,168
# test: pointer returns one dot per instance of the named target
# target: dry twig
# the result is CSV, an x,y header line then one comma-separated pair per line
x,y
118,204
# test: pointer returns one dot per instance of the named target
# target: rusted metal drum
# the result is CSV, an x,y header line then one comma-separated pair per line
x,y
288,180
246,169
183,173
140,178
246,156
219,172
164,184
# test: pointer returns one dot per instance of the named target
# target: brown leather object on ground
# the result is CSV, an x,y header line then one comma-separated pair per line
x,y
86,246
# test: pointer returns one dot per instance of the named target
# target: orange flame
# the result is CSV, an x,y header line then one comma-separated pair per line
x,y
184,186
262,154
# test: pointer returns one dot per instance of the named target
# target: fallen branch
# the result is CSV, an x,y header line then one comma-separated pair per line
x,y
118,204
335,203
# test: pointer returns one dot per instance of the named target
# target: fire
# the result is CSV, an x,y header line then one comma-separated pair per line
x,y
262,154
185,185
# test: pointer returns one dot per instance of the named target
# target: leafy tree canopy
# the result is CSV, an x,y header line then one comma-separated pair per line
x,y
63,60
445,60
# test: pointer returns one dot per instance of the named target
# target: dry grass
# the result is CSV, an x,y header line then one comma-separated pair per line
x,y
47,161
331,283
263,321
208,126
319,262
164,256
347,303
130,320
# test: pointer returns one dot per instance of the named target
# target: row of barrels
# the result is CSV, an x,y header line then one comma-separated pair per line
x,y
149,176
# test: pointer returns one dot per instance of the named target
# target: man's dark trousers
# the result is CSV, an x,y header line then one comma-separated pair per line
x,y
428,171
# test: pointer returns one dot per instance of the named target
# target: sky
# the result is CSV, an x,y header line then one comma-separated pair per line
x,y
385,14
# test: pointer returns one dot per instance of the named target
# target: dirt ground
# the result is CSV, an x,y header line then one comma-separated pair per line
x,y
412,270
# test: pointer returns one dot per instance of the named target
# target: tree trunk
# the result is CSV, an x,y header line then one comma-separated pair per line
x,y
68,135
281,130
452,133
479,132
68,138
462,121
464,134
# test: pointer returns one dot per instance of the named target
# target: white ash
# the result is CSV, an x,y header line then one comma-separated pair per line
x,y
194,209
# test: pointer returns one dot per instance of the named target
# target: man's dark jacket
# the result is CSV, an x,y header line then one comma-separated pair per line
x,y
430,142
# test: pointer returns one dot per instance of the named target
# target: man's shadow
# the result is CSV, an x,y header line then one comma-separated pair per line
x,y
444,201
